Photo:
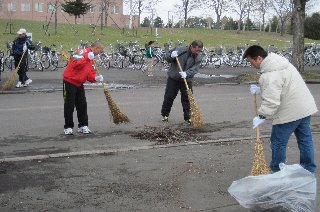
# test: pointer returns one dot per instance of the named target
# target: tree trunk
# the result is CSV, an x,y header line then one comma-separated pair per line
x,y
298,34
55,17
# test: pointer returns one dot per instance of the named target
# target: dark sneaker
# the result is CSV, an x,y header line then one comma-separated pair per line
x,y
165,119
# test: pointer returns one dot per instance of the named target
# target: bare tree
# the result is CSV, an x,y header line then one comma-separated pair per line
x,y
218,6
241,8
263,7
250,7
283,9
139,6
186,6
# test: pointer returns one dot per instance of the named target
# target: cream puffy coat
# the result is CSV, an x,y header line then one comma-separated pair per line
x,y
285,96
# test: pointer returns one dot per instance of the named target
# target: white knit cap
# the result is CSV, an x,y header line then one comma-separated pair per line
x,y
22,31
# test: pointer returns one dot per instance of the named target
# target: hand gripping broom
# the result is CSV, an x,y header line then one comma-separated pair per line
x,y
9,84
118,116
196,115
259,166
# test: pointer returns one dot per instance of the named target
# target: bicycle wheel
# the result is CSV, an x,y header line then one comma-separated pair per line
x,y
137,59
31,62
126,62
215,60
204,61
105,61
233,59
8,64
45,60
63,60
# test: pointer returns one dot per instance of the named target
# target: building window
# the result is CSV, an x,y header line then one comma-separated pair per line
x,y
38,7
25,7
11,6
51,8
91,10
114,9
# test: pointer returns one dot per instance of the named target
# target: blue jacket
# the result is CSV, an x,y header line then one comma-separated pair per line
x,y
17,47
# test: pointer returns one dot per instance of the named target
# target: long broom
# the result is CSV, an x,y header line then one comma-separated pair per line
x,y
9,84
259,166
118,116
195,113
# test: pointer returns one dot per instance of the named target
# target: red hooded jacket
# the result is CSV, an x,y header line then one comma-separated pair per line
x,y
79,69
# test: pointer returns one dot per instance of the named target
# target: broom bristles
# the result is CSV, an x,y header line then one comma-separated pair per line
x,y
9,84
118,116
259,166
195,113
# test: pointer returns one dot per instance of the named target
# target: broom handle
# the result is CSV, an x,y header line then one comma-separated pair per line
x,y
256,112
18,66
98,72
185,81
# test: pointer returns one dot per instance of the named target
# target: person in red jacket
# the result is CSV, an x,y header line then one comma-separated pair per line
x,y
78,71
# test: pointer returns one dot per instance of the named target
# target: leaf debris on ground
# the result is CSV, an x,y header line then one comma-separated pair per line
x,y
166,135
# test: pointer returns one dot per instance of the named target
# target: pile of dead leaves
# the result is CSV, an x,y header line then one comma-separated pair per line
x,y
166,135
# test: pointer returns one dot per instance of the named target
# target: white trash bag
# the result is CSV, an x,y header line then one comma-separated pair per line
x,y
292,189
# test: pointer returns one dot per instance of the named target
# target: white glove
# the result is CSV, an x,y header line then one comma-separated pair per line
x,y
174,54
91,55
25,48
99,78
254,89
257,121
183,74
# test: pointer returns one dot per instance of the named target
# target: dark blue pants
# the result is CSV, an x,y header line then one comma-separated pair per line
x,y
279,139
23,68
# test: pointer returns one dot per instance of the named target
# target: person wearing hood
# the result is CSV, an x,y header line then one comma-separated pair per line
x,y
287,101
190,58
19,51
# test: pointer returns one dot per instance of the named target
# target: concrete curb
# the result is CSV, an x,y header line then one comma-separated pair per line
x,y
111,151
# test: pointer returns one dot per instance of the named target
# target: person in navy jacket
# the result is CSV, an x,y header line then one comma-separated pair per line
x,y
19,51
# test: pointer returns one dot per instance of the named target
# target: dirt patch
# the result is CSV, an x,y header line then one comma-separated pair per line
x,y
169,135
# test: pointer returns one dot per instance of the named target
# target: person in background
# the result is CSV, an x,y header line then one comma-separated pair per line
x,y
78,71
149,56
19,51
287,101
190,58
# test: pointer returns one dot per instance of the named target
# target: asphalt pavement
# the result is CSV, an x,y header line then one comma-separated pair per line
x,y
112,170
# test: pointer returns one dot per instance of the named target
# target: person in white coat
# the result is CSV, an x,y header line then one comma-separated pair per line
x,y
287,101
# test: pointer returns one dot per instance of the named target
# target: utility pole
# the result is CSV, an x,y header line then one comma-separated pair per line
x,y
130,17
169,19
101,17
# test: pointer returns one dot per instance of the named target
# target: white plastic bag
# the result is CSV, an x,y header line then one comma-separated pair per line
x,y
292,189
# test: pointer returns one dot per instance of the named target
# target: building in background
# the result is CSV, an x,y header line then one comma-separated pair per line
x,y
43,10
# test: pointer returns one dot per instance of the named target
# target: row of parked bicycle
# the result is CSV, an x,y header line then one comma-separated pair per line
x,y
232,57
132,55
41,58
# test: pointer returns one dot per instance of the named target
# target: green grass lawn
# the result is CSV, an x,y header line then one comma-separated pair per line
x,y
67,37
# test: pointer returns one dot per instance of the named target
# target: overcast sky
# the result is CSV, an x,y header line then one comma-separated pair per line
x,y
168,5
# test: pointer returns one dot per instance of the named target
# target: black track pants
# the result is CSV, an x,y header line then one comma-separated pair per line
x,y
74,97
172,89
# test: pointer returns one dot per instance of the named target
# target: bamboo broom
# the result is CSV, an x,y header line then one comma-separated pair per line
x,y
9,84
118,116
195,113
259,166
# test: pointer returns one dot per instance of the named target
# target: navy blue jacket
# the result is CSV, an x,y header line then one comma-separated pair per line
x,y
17,47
